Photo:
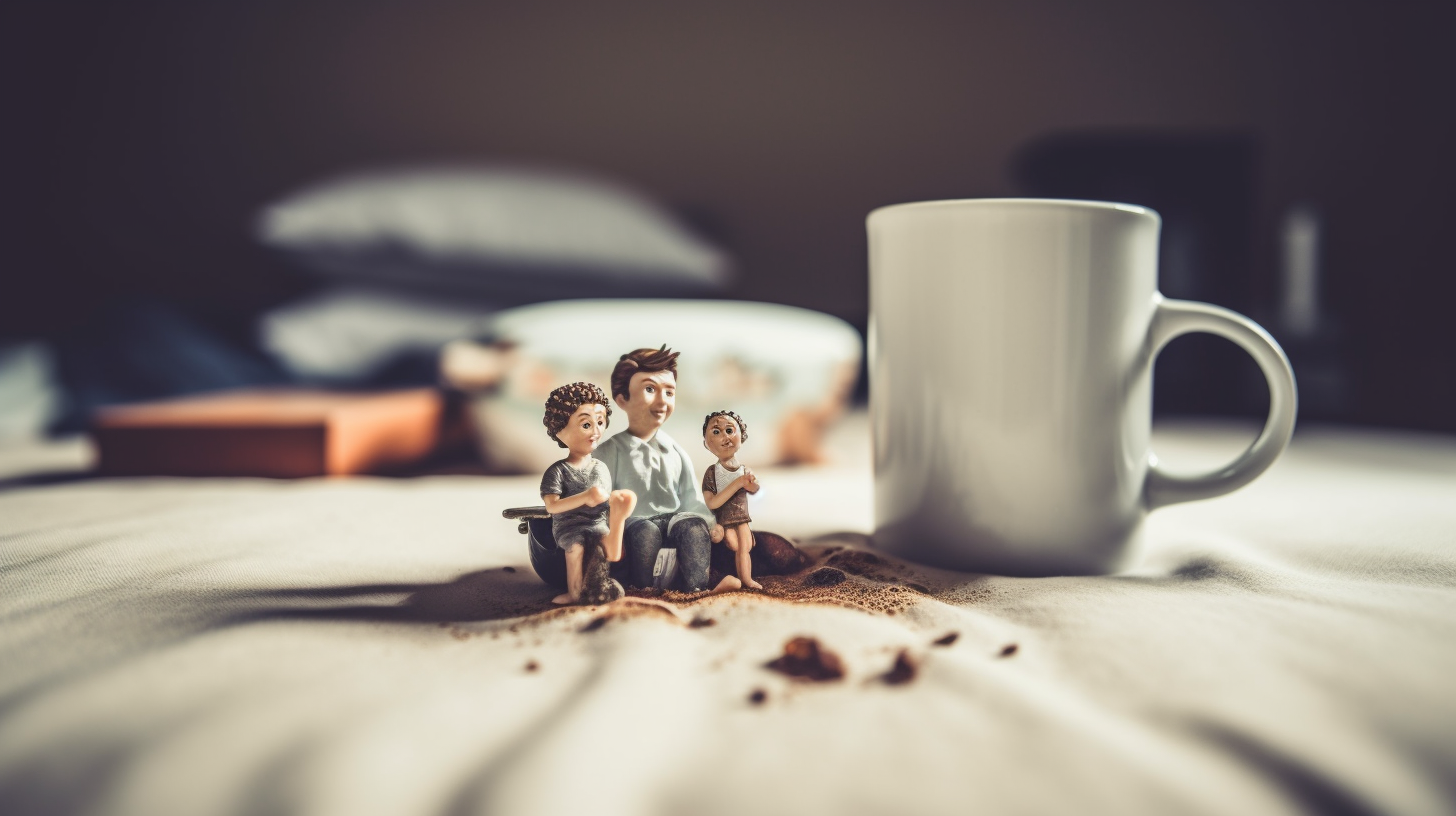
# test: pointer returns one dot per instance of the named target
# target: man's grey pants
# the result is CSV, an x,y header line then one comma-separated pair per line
x,y
646,535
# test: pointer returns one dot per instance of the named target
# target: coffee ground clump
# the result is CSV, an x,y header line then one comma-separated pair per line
x,y
867,565
903,671
758,696
858,562
825,576
1008,650
805,659
701,622
947,639
532,666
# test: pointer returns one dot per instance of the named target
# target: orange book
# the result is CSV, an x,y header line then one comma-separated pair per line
x,y
280,433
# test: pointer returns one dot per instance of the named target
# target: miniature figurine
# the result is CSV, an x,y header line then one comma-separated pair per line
x,y
587,515
726,486
644,459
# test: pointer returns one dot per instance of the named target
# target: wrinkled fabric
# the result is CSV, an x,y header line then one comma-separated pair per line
x,y
355,646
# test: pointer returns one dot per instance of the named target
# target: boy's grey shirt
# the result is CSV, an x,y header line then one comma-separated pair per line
x,y
658,471
561,479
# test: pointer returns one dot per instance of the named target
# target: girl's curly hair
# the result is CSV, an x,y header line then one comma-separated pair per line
x,y
742,426
564,401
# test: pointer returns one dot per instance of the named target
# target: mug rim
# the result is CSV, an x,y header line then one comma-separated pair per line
x,y
1072,203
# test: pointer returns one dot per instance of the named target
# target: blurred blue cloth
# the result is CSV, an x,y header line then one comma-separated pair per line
x,y
149,349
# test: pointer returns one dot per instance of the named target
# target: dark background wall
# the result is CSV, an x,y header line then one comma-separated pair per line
x,y
140,139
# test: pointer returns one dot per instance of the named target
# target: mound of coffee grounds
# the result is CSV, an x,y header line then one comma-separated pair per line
x,y
903,671
865,594
825,576
856,561
946,639
782,556
867,565
772,554
873,588
758,696
805,659
1008,650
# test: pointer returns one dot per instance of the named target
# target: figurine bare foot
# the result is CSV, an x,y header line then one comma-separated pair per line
x,y
752,584
563,598
728,584
620,505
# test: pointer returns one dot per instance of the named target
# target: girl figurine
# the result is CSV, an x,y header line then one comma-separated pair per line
x,y
587,516
727,484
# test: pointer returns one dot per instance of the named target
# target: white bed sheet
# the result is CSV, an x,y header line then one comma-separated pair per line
x,y
354,646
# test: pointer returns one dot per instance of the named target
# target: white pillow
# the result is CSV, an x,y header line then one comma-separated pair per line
x,y
348,333
498,230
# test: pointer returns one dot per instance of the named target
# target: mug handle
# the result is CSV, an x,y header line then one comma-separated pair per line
x,y
1177,317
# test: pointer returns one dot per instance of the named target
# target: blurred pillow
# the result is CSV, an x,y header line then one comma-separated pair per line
x,y
504,231
30,394
351,334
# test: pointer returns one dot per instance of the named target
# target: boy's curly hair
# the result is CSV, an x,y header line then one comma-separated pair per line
x,y
564,401
742,426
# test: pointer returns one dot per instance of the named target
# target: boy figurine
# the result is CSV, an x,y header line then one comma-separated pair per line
x,y
587,516
726,486
645,460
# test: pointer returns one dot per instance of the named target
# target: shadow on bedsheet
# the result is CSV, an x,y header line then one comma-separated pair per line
x,y
512,592
484,595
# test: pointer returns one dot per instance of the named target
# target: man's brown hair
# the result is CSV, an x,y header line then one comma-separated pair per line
x,y
564,401
643,359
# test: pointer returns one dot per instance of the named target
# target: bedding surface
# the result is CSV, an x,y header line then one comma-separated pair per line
x,y
374,646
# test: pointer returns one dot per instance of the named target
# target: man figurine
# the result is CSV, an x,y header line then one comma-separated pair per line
x,y
645,460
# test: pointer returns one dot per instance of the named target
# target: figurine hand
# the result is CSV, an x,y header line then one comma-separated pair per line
x,y
716,533
595,495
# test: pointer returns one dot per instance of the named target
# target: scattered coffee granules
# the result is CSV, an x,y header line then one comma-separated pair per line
x,y
1008,650
842,577
805,659
825,576
532,666
946,639
758,696
903,671
701,622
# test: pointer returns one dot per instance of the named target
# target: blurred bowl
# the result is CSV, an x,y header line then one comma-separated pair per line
x,y
787,371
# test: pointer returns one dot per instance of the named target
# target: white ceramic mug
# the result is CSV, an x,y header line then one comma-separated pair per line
x,y
1011,354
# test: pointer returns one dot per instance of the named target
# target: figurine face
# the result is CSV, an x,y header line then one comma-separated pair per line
x,y
722,439
650,399
584,430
